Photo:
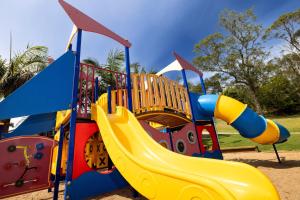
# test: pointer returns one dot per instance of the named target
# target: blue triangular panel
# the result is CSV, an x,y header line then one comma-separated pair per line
x,y
48,91
34,124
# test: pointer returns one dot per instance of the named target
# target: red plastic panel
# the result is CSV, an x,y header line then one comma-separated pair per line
x,y
191,145
162,138
83,132
25,165
213,135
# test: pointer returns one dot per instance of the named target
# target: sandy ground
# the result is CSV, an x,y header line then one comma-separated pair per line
x,y
285,176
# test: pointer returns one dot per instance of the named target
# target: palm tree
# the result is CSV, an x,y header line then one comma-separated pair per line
x,y
137,68
22,67
2,68
115,59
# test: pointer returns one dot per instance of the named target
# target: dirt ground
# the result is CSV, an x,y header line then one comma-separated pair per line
x,y
285,176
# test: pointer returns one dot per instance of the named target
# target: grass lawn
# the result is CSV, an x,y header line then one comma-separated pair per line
x,y
292,123
235,140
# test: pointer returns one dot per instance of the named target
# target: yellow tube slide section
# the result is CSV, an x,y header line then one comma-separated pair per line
x,y
157,173
229,110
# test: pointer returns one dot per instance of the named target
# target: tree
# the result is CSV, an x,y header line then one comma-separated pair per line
x,y
91,61
239,92
287,28
22,67
115,59
152,70
238,56
137,68
289,64
280,95
2,68
213,84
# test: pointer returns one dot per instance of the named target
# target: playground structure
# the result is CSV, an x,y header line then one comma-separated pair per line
x,y
131,132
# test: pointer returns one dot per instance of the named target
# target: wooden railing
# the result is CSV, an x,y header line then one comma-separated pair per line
x,y
158,93
151,93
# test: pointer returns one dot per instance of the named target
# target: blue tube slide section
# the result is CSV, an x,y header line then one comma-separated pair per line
x,y
242,118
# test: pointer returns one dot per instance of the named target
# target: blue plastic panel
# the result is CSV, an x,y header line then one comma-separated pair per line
x,y
207,104
217,154
34,124
250,124
48,91
91,184
284,133
198,112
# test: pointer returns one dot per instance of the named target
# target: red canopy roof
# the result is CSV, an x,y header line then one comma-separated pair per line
x,y
86,23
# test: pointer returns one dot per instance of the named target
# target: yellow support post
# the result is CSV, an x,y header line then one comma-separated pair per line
x,y
156,91
162,93
177,93
173,95
150,92
143,92
168,92
135,94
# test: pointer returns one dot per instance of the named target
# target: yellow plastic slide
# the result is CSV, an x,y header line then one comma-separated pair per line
x,y
157,173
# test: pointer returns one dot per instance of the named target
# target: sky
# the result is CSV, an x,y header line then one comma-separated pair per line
x,y
155,28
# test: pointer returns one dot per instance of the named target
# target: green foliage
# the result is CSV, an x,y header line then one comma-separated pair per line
x,y
280,96
241,93
239,56
22,67
137,68
239,60
115,59
287,28
213,84
2,67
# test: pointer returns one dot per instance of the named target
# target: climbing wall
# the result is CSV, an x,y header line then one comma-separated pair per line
x,y
25,165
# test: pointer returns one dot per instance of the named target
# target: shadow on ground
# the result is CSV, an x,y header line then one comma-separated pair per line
x,y
285,164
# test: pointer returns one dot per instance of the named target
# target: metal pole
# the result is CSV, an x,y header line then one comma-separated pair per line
x,y
73,117
191,105
58,163
276,152
128,79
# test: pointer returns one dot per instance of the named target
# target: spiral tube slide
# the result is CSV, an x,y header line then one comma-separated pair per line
x,y
242,118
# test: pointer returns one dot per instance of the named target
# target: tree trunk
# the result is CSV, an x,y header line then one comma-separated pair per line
x,y
254,94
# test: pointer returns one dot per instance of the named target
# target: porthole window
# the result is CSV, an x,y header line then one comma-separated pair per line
x,y
191,137
164,143
180,146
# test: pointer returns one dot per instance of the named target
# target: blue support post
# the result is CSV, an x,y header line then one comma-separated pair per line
x,y
58,162
171,138
212,120
202,85
73,117
109,110
128,79
191,105
96,89
109,99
